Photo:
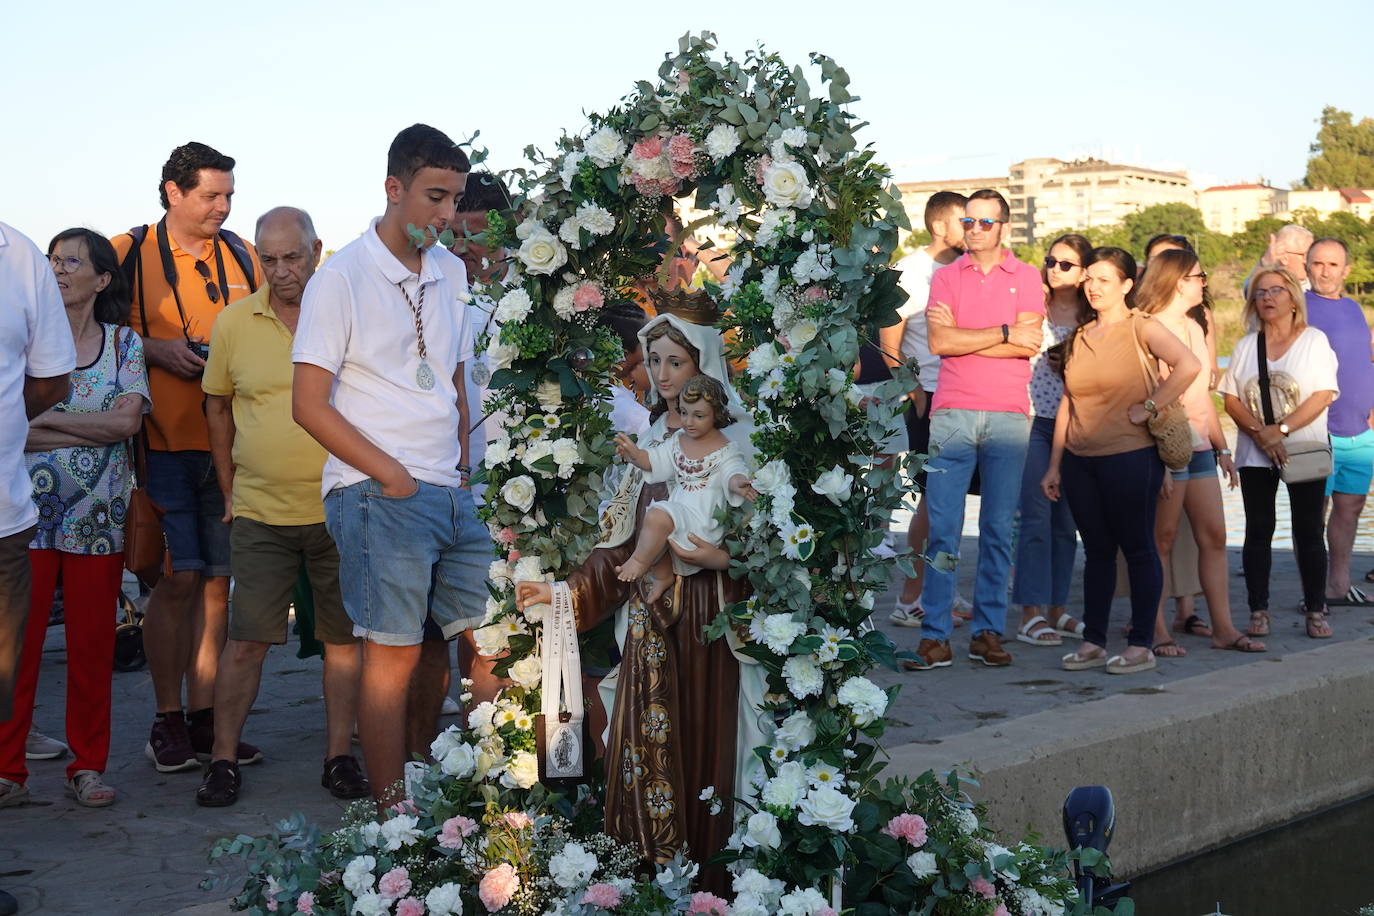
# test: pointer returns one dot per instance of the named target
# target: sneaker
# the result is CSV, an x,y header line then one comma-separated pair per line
x,y
39,746
931,653
169,744
908,615
202,729
220,788
986,647
344,778
450,707
961,610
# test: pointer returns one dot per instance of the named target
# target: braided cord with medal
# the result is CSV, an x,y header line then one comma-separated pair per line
x,y
424,376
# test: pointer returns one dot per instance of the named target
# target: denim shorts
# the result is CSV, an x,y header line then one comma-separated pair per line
x,y
183,484
1352,464
1203,464
403,558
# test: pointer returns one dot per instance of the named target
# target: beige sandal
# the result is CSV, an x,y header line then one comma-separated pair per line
x,y
13,793
89,790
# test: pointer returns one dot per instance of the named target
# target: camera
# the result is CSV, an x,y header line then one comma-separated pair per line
x,y
200,349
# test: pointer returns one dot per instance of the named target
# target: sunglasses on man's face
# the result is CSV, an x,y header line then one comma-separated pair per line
x,y
986,225
211,289
1063,265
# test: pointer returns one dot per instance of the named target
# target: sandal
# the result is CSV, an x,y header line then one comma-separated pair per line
x,y
1076,662
1063,629
1369,576
1193,626
1317,627
1119,664
1242,643
1038,632
1352,598
89,790
13,793
1169,649
1259,624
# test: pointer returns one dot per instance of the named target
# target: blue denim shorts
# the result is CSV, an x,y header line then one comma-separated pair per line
x,y
400,559
183,484
1203,464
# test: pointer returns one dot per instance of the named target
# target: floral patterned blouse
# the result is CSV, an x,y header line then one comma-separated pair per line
x,y
82,491
1046,384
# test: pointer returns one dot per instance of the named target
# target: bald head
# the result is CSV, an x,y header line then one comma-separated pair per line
x,y
289,250
1328,265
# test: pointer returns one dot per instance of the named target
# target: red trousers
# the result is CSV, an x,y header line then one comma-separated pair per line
x,y
90,589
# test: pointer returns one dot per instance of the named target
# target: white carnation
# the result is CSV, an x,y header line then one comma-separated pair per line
x,y
721,141
922,864
570,232
595,219
528,569
514,306
445,900
401,830
787,787
794,137
604,147
572,866
865,699
803,676
498,452
370,904
764,359
801,902
812,265
777,632
358,877
480,719
568,170
769,284
756,884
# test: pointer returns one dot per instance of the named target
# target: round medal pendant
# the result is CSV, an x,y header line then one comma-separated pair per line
x,y
424,376
480,374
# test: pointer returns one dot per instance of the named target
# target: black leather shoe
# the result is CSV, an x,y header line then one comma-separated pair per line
x,y
344,778
220,788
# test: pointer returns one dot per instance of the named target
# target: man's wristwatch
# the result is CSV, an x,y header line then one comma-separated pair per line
x,y
1283,428
1006,334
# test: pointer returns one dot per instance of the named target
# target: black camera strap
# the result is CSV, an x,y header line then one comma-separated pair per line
x,y
169,271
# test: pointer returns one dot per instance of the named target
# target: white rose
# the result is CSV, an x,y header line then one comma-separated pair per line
x,y
796,731
865,699
762,831
802,333
514,306
528,569
827,807
491,640
446,741
523,771
459,762
803,676
595,219
519,492
922,864
357,876
542,253
501,355
527,672
549,394
784,185
445,900
572,866
721,141
835,485
604,147
772,477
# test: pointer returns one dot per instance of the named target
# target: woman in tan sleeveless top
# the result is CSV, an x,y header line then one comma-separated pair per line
x,y
1111,472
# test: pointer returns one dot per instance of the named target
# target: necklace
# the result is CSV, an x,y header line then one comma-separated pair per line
x,y
424,376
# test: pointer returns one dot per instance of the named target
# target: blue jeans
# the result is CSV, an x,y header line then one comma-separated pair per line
x,y
1047,540
993,442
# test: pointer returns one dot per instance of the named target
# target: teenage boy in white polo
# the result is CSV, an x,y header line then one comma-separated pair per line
x,y
379,383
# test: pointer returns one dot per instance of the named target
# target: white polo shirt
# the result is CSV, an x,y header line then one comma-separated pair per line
x,y
35,340
356,324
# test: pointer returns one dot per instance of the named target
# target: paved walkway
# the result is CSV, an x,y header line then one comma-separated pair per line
x,y
147,853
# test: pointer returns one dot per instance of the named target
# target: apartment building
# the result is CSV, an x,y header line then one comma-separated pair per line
x,y
1227,208
916,193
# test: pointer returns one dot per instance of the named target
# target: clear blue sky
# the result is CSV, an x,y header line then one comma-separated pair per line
x,y
307,95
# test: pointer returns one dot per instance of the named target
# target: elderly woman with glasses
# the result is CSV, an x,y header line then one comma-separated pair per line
x,y
1300,367
81,477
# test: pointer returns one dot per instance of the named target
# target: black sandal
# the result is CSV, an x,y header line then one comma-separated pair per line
x,y
344,778
1194,626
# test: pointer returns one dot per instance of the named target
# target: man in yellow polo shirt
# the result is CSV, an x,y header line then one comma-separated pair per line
x,y
269,471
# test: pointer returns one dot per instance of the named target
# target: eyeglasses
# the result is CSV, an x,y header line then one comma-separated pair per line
x,y
1200,275
1063,265
69,265
211,289
1270,292
986,224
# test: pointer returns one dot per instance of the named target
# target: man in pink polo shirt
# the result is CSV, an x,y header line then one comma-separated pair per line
x,y
984,317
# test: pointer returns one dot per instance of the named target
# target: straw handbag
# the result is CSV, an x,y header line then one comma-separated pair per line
x,y
1169,426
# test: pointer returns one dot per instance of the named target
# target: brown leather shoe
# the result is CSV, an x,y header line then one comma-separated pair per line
x,y
931,653
986,647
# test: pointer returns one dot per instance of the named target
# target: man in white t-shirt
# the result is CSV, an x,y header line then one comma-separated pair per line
x,y
36,358
942,215
380,383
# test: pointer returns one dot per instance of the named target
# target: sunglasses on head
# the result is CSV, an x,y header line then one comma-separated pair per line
x,y
211,289
1063,265
985,224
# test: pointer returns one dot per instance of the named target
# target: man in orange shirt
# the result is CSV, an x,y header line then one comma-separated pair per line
x,y
183,270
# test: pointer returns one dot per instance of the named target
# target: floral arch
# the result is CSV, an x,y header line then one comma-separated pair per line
x,y
755,150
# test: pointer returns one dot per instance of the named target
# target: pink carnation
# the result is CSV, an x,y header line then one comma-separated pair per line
x,y
305,903
682,168
909,827
410,906
395,883
669,187
506,535
455,830
588,296
681,147
498,886
518,819
602,895
983,887
272,904
814,293
708,905
512,556
404,806
648,148
763,165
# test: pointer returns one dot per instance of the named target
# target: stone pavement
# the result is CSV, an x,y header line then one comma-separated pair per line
x,y
147,853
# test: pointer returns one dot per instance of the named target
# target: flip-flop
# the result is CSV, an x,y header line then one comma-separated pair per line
x,y
1193,626
1352,598
1029,634
1242,643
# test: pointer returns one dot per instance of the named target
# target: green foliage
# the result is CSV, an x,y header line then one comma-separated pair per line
x,y
1343,152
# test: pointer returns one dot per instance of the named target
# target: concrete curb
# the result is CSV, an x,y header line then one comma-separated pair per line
x,y
1193,765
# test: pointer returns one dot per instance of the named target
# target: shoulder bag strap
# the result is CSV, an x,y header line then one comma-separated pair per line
x,y
1266,403
1151,374
240,252
136,446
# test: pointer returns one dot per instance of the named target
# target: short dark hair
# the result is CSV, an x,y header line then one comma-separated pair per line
x,y
485,192
627,319
1182,241
420,146
1122,261
940,203
184,165
1330,240
112,302
990,194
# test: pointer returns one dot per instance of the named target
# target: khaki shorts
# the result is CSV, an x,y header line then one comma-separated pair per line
x,y
266,561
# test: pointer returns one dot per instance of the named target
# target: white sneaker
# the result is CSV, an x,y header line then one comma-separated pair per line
x,y
908,615
39,746
451,707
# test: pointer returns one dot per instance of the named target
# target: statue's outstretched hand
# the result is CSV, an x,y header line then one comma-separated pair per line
x,y
528,594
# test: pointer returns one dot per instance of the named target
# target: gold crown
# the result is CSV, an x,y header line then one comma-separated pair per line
x,y
691,305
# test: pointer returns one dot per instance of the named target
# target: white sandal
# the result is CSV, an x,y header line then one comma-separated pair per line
x,y
90,790
1076,632
1075,662
13,793
1118,664
1032,630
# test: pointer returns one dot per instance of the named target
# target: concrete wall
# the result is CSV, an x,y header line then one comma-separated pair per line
x,y
1193,764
